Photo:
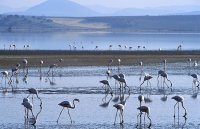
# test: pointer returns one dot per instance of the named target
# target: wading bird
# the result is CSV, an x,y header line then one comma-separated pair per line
x,y
147,77
141,70
121,108
68,105
5,74
28,106
123,81
195,64
41,63
165,76
51,67
106,83
195,80
179,99
146,110
119,61
25,62
34,91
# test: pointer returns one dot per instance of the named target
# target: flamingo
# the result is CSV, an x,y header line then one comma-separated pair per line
x,y
34,91
70,47
14,71
116,77
106,83
25,62
195,79
195,64
119,46
123,81
28,46
147,77
165,76
68,105
14,46
41,63
121,108
189,62
28,106
179,99
141,70
5,74
18,65
110,47
146,110
51,66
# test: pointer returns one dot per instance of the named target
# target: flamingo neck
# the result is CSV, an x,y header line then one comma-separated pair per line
x,y
73,105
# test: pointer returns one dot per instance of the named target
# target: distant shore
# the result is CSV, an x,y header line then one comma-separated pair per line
x,y
8,58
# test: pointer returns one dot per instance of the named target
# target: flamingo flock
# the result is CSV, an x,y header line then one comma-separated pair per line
x,y
120,89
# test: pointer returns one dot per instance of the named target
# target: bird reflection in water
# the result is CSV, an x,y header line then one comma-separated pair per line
x,y
105,102
51,81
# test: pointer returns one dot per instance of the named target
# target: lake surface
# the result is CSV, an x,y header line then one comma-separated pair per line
x,y
95,109
89,41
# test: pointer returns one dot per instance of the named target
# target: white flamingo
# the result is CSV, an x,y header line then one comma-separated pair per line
x,y
179,99
67,104
121,108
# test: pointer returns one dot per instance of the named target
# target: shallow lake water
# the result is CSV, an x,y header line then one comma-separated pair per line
x,y
89,41
95,109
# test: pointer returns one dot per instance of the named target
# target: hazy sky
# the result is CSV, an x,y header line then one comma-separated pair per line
x,y
107,3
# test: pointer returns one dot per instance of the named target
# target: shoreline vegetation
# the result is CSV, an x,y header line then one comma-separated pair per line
x,y
8,58
160,24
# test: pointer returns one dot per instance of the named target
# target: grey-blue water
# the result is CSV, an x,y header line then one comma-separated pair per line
x,y
95,109
89,41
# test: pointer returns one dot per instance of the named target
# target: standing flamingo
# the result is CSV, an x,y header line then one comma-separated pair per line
x,y
25,62
5,74
165,76
68,105
141,70
28,106
119,61
41,63
146,110
34,91
51,67
189,67
179,99
195,79
147,77
106,83
195,64
121,108
123,81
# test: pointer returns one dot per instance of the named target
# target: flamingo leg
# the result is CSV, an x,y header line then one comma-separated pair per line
x,y
60,114
141,85
144,119
122,116
69,115
149,120
174,108
115,116
184,109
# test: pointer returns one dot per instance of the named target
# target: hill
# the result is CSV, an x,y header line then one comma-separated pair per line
x,y
59,8
106,24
